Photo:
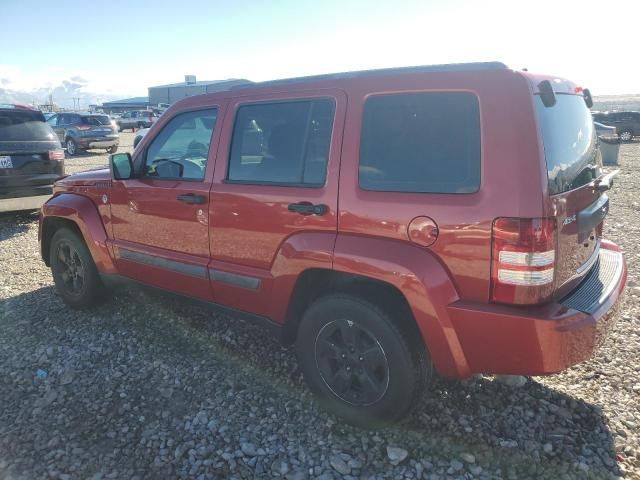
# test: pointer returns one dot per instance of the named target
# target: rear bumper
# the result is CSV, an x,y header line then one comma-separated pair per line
x,y
98,142
23,203
547,339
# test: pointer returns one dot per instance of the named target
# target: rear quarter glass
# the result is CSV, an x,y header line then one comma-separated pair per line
x,y
427,142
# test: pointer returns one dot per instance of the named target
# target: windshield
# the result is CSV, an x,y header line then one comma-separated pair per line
x,y
96,120
24,125
570,143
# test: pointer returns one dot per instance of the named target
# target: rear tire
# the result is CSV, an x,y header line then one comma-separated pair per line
x,y
72,147
626,136
363,366
74,271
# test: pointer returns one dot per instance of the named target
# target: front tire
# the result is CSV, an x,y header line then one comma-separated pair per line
x,y
74,271
362,365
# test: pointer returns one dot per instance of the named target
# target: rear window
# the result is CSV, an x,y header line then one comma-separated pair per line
x,y
96,120
24,125
421,142
570,143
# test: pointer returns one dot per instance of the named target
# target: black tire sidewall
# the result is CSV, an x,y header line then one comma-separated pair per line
x,y
403,374
75,150
92,287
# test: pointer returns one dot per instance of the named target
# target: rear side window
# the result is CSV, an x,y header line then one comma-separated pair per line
x,y
421,142
570,143
24,125
282,143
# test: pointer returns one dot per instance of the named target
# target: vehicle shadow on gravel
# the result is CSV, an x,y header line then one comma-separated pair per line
x,y
16,223
154,386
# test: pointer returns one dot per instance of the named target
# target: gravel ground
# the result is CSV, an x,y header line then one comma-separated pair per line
x,y
151,387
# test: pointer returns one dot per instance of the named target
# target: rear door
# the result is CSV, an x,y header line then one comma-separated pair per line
x,y
573,163
57,123
276,179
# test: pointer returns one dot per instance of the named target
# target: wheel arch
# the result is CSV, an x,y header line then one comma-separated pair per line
x,y
81,215
393,276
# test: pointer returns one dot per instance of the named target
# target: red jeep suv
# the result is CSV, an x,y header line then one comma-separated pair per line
x,y
388,223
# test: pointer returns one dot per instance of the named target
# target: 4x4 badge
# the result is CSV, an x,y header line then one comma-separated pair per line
x,y
569,220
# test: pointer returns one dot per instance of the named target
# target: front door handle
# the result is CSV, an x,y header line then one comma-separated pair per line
x,y
192,199
306,208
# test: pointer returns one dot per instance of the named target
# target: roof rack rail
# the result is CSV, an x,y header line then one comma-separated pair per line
x,y
451,67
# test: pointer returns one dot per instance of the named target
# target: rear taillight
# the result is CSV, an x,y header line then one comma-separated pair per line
x,y
523,260
57,154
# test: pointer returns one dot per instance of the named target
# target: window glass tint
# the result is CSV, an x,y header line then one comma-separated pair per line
x,y
570,144
96,120
421,142
181,149
285,143
24,125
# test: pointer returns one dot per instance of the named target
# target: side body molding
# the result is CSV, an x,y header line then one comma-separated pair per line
x,y
83,212
424,282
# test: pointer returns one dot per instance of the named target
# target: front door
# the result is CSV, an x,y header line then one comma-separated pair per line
x,y
274,191
160,218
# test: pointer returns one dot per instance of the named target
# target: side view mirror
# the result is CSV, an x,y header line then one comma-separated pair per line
x,y
547,94
121,166
588,99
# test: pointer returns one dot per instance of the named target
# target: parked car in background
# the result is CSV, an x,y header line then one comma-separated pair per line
x,y
48,115
136,119
139,136
378,220
627,123
31,158
83,131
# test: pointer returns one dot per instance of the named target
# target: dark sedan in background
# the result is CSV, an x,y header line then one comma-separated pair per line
x,y
31,158
627,123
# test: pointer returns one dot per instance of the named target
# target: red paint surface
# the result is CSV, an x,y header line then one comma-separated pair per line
x,y
248,230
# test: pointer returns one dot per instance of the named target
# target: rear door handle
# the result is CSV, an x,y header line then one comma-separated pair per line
x,y
306,208
192,199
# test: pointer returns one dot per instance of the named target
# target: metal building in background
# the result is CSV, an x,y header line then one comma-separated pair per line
x,y
176,91
125,105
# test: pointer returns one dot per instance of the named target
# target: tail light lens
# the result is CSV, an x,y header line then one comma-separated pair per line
x,y
57,154
523,260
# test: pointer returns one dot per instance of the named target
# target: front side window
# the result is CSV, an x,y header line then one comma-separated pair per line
x,y
282,143
181,149
421,142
